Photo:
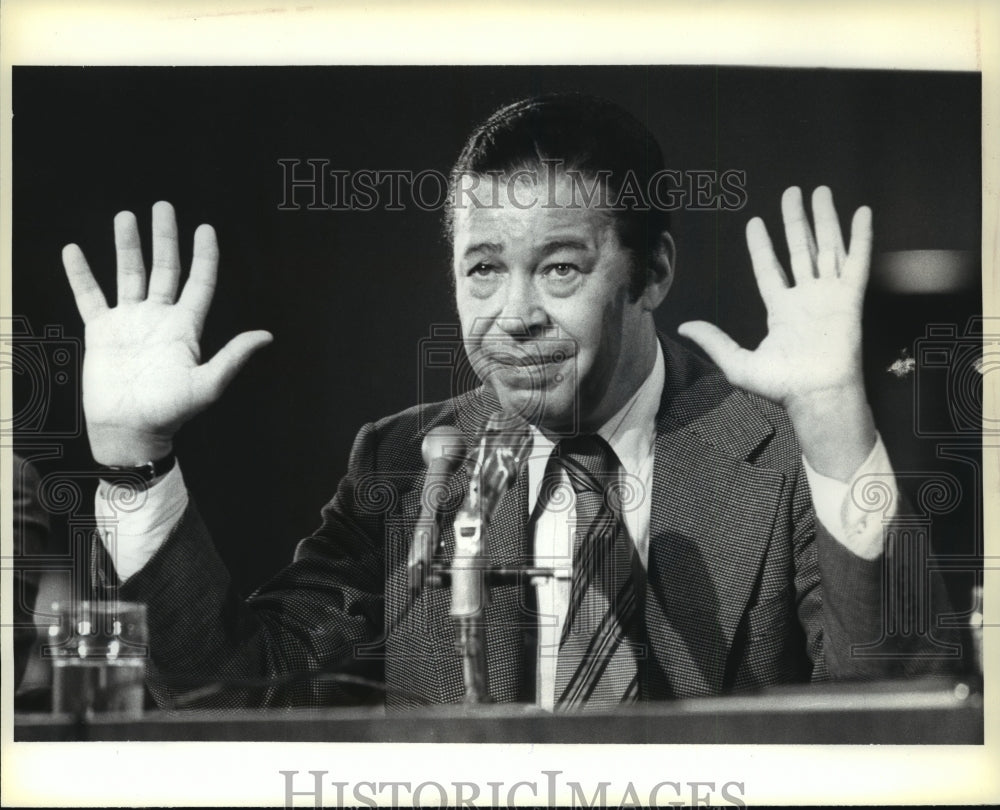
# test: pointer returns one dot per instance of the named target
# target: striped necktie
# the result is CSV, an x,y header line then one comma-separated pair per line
x,y
600,645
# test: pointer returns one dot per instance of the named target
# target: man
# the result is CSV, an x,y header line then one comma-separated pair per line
x,y
741,560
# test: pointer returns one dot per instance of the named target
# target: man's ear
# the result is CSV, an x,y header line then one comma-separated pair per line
x,y
660,272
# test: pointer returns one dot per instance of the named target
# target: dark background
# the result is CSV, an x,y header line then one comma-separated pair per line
x,y
350,295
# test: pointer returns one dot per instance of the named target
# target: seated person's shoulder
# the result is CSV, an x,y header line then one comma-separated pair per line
x,y
396,439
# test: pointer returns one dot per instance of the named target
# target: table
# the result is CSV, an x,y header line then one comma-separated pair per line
x,y
934,711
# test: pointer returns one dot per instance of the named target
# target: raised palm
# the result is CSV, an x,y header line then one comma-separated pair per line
x,y
142,375
810,361
813,344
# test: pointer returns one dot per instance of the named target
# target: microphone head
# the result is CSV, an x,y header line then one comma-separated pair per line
x,y
502,451
443,442
506,434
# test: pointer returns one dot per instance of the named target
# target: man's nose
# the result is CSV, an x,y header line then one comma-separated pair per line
x,y
522,315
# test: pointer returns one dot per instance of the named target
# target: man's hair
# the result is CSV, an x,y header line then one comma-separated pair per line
x,y
580,133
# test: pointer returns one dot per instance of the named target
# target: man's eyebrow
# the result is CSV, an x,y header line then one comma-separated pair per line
x,y
483,247
552,245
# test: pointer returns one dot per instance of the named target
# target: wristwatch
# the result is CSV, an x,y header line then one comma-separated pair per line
x,y
142,475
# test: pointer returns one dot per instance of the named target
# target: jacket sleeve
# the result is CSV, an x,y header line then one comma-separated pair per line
x,y
208,647
872,619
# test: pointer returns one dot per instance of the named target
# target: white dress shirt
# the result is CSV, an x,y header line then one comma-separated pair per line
x,y
631,433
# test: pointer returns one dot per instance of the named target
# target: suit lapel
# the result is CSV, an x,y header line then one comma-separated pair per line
x,y
507,619
710,521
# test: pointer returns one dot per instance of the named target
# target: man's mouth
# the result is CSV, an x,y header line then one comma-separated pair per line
x,y
533,367
488,357
526,362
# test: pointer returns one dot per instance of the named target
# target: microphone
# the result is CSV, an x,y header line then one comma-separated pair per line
x,y
443,449
502,450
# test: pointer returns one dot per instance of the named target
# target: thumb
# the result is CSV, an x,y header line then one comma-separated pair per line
x,y
212,378
725,352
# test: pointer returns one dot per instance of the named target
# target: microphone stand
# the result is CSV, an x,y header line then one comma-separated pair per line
x,y
500,456
469,598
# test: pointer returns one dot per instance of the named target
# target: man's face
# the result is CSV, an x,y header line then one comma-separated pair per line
x,y
543,297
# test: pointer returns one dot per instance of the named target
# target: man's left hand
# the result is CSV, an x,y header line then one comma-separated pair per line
x,y
810,361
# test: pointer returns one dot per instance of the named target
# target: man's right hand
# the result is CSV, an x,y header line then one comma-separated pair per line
x,y
142,372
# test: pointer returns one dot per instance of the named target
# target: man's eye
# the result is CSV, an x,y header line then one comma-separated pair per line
x,y
560,271
482,270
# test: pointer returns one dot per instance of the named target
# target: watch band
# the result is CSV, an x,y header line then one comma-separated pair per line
x,y
141,475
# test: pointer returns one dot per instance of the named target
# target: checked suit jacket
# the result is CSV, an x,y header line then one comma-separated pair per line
x,y
744,587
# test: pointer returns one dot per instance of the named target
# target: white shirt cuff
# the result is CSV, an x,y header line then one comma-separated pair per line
x,y
841,511
133,526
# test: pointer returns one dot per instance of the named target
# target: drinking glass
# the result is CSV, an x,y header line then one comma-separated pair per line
x,y
98,652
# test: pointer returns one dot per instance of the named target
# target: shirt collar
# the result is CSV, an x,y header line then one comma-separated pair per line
x,y
632,431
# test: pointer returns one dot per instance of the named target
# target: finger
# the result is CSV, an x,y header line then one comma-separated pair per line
x,y
858,261
829,241
766,267
212,378
163,278
131,270
90,301
827,265
200,286
801,245
828,236
725,352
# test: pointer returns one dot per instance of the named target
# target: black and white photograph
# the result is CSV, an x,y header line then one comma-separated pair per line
x,y
527,405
